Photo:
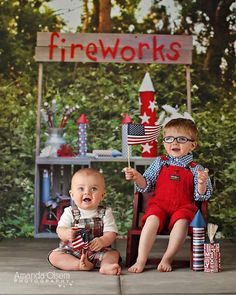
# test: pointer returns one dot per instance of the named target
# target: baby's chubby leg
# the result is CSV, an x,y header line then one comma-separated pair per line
x,y
66,261
110,263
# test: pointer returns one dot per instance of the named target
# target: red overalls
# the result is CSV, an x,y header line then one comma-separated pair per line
x,y
173,196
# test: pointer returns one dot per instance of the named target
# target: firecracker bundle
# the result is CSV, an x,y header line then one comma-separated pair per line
x,y
212,260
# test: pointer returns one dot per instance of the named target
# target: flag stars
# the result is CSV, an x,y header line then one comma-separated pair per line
x,y
145,118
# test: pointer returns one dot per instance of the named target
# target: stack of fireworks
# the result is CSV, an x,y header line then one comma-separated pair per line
x,y
212,261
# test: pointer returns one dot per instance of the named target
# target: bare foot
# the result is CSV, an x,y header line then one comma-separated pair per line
x,y
110,269
84,263
164,266
137,267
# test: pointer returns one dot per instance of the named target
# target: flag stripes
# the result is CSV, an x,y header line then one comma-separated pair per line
x,y
80,242
198,248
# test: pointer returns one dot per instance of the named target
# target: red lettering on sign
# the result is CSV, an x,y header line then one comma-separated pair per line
x,y
157,49
63,50
52,45
98,51
112,51
73,47
91,49
129,48
173,46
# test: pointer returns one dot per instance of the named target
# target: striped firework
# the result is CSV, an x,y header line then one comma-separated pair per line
x,y
198,248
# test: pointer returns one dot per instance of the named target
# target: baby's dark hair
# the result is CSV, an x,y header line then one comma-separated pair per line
x,y
186,124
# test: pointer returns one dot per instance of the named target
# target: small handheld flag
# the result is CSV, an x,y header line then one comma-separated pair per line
x,y
138,133
81,241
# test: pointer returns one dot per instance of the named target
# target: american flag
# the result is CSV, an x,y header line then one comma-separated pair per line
x,y
81,241
138,133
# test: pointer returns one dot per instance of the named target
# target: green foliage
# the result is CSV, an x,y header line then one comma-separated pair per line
x,y
17,155
19,22
217,128
212,23
18,221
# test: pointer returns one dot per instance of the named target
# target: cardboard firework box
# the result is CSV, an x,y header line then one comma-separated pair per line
x,y
212,259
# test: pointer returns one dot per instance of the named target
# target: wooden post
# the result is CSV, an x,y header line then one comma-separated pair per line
x,y
37,151
38,123
188,81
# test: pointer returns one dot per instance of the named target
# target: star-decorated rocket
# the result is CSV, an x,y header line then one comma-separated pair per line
x,y
82,135
148,113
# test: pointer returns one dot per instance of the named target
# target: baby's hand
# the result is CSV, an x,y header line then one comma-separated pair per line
x,y
71,233
96,244
130,173
202,176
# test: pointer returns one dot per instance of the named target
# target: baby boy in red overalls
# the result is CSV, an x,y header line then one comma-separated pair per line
x,y
177,182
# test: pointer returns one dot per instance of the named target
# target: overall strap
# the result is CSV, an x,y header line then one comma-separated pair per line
x,y
101,211
76,214
192,164
164,158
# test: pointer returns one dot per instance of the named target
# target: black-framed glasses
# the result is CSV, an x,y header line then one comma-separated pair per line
x,y
179,139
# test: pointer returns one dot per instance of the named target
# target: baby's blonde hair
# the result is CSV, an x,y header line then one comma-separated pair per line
x,y
89,172
184,124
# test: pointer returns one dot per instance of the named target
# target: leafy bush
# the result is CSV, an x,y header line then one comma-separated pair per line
x,y
17,157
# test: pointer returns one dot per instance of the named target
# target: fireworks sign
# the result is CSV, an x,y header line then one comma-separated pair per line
x,y
119,48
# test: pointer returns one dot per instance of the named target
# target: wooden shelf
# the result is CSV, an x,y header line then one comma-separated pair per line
x,y
88,160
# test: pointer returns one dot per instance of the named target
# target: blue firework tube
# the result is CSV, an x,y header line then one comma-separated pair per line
x,y
45,186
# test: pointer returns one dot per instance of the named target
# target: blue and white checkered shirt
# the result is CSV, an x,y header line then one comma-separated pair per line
x,y
153,171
